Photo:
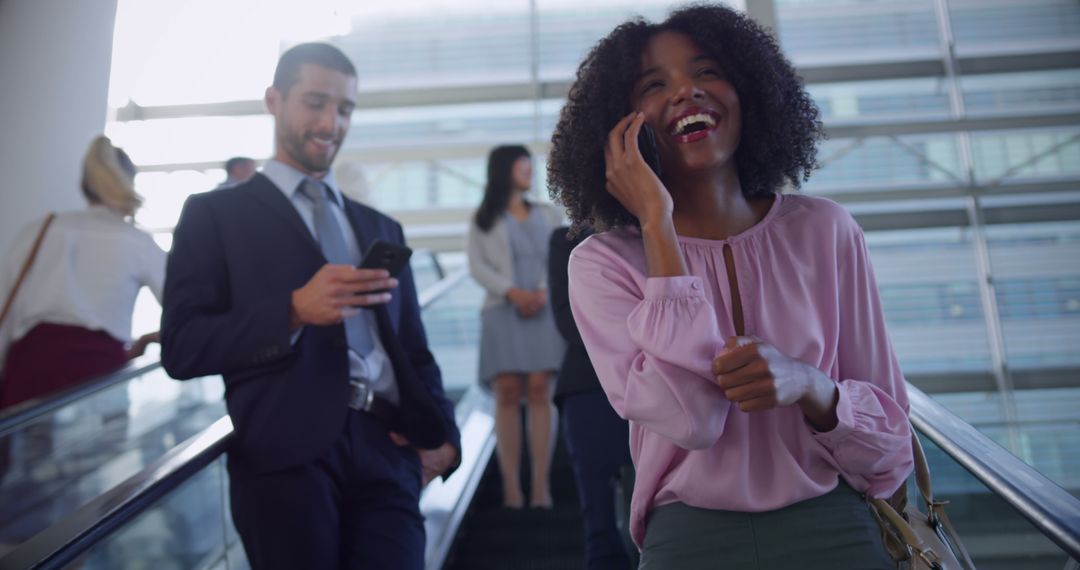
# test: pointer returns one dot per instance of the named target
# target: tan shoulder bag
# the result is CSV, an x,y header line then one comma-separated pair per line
x,y
917,540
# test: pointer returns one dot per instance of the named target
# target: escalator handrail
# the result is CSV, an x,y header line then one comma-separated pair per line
x,y
1052,510
76,533
16,417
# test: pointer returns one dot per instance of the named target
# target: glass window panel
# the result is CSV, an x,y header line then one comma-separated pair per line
x,y
1038,292
566,33
921,97
460,182
1026,154
400,185
929,291
1016,24
1039,91
831,29
442,125
878,163
439,43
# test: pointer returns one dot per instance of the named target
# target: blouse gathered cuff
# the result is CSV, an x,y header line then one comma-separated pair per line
x,y
871,442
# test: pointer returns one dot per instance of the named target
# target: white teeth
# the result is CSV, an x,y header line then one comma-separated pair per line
x,y
695,118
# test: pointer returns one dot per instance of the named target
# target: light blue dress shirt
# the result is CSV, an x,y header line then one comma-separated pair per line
x,y
375,368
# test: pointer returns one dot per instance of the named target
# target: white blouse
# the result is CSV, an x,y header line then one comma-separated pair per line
x,y
88,272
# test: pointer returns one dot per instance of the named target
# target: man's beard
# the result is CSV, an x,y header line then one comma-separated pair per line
x,y
296,145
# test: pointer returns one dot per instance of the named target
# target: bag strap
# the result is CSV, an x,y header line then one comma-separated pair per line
x,y
27,265
935,510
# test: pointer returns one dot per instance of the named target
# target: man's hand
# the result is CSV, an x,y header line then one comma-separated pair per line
x,y
336,292
433,462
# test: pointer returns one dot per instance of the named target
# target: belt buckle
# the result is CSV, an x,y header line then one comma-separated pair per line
x,y
362,396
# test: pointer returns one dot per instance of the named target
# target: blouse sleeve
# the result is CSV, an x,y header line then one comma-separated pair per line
x,y
871,444
480,268
652,349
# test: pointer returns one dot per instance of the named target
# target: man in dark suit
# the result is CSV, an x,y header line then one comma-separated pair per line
x,y
337,404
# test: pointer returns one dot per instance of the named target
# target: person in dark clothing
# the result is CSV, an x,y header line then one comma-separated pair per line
x,y
596,437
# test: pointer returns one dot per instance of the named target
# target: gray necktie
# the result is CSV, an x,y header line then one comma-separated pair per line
x,y
332,241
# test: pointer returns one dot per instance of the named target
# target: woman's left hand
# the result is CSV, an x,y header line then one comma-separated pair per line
x,y
757,376
138,348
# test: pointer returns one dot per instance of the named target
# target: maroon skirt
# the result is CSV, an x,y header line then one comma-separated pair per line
x,y
52,358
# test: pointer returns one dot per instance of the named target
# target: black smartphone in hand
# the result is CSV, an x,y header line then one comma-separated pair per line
x,y
646,142
385,255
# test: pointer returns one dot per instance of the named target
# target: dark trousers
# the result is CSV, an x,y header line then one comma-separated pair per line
x,y
598,442
356,506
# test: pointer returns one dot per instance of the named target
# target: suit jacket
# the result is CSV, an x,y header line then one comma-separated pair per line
x,y
576,374
237,255
491,261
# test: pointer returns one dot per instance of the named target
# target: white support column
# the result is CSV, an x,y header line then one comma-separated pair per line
x,y
54,83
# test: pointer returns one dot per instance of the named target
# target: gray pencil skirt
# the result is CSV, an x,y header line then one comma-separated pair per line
x,y
834,531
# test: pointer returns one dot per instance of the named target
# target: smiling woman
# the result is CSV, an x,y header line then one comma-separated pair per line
x,y
736,328
780,122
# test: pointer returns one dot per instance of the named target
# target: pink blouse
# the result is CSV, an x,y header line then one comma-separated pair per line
x,y
807,287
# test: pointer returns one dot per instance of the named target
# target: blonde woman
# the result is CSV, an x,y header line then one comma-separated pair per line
x,y
71,318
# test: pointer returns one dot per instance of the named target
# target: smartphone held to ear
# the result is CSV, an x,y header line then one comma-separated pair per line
x,y
385,255
646,142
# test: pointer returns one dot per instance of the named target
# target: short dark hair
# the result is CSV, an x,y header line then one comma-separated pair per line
x,y
497,190
780,122
235,161
321,54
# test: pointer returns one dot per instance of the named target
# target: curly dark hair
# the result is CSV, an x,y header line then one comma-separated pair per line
x,y
780,122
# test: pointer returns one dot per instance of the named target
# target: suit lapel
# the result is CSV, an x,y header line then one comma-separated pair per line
x,y
265,193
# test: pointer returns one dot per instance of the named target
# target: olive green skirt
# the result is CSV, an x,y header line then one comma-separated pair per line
x,y
834,531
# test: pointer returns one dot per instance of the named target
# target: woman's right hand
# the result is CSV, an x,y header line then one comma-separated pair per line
x,y
629,178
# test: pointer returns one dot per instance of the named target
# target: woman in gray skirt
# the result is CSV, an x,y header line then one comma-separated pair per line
x,y
737,327
520,348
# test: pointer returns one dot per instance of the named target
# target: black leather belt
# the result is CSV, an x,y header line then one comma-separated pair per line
x,y
363,399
